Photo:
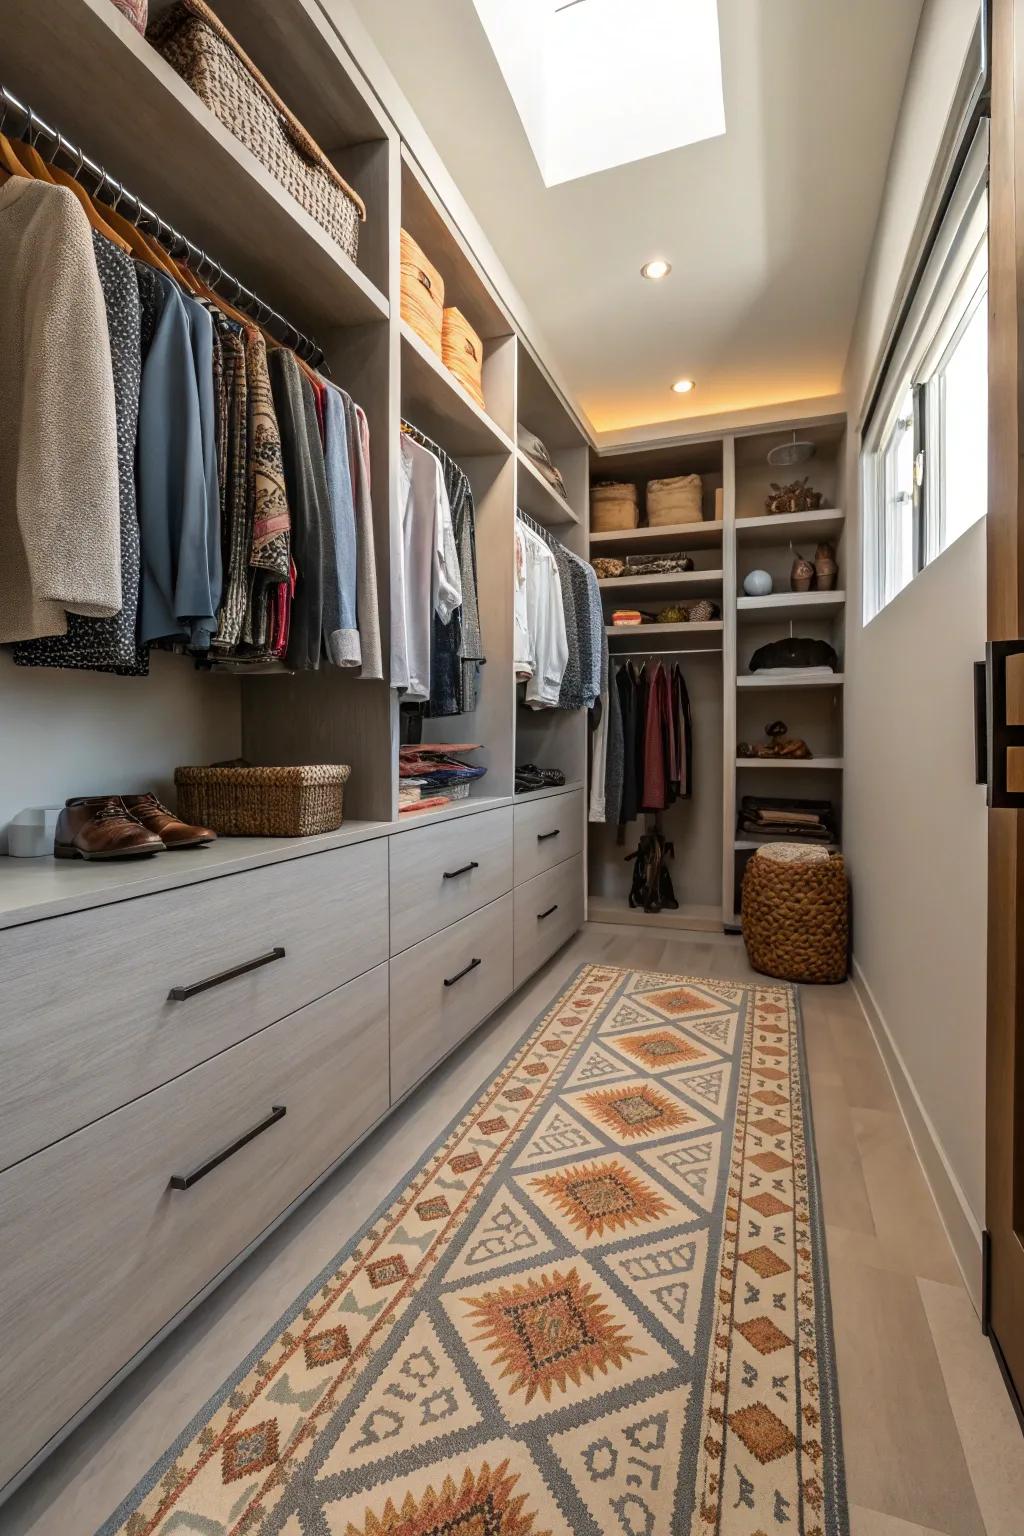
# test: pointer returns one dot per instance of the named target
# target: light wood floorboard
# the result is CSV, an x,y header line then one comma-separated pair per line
x,y
932,1446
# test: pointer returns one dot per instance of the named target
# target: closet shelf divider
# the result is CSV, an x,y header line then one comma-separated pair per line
x,y
649,541
435,400
683,583
539,498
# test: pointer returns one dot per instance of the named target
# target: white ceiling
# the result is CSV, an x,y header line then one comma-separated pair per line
x,y
768,228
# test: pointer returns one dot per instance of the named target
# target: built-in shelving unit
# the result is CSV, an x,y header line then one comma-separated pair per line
x,y
539,498
729,704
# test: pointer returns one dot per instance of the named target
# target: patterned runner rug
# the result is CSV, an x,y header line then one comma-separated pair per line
x,y
598,1306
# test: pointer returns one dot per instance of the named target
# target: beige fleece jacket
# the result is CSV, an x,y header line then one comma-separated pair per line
x,y
59,508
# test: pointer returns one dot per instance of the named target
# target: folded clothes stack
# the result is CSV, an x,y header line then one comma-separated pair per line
x,y
540,458
815,819
627,618
432,776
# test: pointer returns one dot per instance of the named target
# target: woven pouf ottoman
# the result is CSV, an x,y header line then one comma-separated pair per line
x,y
796,913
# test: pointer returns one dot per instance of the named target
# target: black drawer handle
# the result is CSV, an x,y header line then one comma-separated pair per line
x,y
186,1180
182,994
450,981
542,837
453,874
548,912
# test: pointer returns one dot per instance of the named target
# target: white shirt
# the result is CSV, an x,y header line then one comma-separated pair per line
x,y
545,622
425,575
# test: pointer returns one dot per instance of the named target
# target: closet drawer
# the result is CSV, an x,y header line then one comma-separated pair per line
x,y
88,1022
436,999
100,1251
440,874
549,910
548,832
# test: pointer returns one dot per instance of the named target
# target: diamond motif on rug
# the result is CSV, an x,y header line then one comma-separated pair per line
x,y
626,1466
762,1334
661,1050
551,1336
667,1275
417,1396
765,1263
762,1432
690,1167
637,1110
595,1200
249,1451
504,1234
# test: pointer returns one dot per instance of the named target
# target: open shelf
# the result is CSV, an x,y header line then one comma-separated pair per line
x,y
789,605
668,584
750,844
435,401
700,919
81,65
762,680
657,541
539,498
791,527
663,631
787,764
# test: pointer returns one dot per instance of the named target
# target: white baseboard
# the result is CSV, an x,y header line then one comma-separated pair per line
x,y
956,1215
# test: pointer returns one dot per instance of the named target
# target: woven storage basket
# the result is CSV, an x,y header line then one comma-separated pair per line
x,y
263,802
462,352
614,507
198,45
674,501
136,11
796,913
422,294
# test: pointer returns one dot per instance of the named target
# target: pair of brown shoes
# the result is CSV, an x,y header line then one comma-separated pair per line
x,y
120,827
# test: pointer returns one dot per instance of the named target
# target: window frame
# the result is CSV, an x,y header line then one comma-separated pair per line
x,y
951,284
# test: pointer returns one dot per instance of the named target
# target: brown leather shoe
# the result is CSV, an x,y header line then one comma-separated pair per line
x,y
172,831
101,827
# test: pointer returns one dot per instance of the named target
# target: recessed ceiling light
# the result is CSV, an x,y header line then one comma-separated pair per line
x,y
656,270
683,386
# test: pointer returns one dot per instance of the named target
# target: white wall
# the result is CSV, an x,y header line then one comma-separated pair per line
x,y
82,733
915,822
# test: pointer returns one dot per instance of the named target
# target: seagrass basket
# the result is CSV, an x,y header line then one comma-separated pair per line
x,y
422,294
239,801
677,500
796,913
614,507
196,43
462,352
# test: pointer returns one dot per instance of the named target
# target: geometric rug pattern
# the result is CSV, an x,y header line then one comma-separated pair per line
x,y
597,1306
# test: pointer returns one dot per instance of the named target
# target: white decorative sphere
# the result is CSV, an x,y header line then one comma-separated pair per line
x,y
757,584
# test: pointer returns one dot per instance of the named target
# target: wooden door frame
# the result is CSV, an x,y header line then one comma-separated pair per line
x,y
1003,1270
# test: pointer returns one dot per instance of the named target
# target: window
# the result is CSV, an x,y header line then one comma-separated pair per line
x,y
925,447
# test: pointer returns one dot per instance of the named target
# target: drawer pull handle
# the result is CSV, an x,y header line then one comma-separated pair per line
x,y
548,912
450,981
453,874
186,1180
542,837
182,994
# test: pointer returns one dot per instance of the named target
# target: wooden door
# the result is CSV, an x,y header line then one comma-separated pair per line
x,y
1004,1301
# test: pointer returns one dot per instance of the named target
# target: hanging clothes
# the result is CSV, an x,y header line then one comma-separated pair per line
x,y
426,579
232,463
657,744
308,501
343,647
357,429
649,754
110,644
542,629
60,502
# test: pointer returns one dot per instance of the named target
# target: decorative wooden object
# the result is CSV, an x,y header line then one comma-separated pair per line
x,y
801,575
798,497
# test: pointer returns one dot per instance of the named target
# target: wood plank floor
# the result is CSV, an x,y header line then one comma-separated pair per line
x,y
932,1445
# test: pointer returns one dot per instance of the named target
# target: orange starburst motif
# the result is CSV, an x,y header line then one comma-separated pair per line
x,y
485,1501
602,1197
633,1110
661,1048
548,1332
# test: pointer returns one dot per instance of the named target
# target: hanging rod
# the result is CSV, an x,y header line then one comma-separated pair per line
x,y
114,194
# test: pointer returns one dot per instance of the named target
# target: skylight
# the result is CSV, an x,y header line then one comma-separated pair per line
x,y
600,83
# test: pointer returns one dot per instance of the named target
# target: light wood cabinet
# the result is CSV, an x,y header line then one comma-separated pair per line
x,y
100,1251
89,1018
440,874
548,911
443,988
547,832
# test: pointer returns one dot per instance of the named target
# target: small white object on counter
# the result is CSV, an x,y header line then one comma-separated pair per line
x,y
30,834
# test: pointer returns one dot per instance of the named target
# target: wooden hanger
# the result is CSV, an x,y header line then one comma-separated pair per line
x,y
9,160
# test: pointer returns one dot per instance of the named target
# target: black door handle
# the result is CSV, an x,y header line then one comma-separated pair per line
x,y
548,912
186,1180
450,981
542,837
453,874
182,994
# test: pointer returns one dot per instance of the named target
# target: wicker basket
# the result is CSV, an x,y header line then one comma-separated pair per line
x,y
240,801
678,500
422,294
796,913
462,352
614,507
198,45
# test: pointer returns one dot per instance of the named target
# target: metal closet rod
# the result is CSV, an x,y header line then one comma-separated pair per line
x,y
115,195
